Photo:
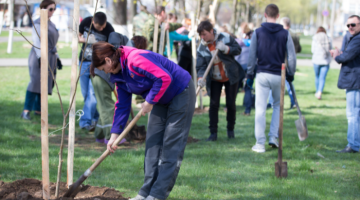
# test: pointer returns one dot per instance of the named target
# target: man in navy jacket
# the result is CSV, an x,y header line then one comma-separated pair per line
x,y
269,46
349,79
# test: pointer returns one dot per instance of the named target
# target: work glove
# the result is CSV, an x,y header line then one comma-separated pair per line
x,y
191,34
59,64
289,78
222,47
250,82
201,82
92,39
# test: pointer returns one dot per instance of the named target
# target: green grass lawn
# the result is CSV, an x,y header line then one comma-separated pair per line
x,y
305,42
22,49
6,33
225,169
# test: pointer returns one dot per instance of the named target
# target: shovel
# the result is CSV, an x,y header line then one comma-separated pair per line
x,y
299,123
280,166
73,188
207,70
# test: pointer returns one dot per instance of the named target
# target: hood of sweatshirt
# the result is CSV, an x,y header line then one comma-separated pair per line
x,y
272,27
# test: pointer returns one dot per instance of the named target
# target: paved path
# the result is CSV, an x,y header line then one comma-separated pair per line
x,y
22,62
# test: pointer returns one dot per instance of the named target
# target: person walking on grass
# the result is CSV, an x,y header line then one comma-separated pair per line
x,y
349,80
169,95
224,72
100,31
269,46
33,92
321,58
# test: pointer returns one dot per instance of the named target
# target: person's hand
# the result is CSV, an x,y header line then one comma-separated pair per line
x,y
146,108
250,82
289,78
335,52
59,64
222,47
201,82
191,34
167,26
81,39
113,137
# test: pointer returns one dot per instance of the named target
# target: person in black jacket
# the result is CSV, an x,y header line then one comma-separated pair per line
x,y
349,80
226,71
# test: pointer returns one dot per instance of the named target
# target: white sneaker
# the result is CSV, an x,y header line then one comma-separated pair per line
x,y
260,148
138,197
151,198
273,142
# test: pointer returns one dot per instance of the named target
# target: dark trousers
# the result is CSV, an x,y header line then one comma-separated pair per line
x,y
185,63
166,138
231,92
32,101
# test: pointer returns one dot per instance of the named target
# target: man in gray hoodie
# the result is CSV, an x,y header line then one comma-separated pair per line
x,y
269,46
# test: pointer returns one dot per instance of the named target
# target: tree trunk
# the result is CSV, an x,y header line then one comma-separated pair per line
x,y
234,16
181,9
198,9
120,12
258,22
133,10
247,11
206,10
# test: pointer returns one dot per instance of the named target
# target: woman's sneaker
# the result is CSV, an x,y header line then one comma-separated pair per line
x,y
260,148
138,197
273,142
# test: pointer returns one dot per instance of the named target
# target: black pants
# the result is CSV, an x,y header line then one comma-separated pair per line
x,y
231,92
185,63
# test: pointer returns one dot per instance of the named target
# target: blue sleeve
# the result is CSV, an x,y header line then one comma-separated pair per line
x,y
291,56
252,57
122,109
178,37
351,52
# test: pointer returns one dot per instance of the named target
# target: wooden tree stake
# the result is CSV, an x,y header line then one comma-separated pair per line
x,y
71,139
44,103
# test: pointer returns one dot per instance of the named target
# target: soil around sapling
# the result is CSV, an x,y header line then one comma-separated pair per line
x,y
31,189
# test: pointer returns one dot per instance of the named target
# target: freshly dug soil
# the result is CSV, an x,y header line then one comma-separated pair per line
x,y
191,140
31,189
198,111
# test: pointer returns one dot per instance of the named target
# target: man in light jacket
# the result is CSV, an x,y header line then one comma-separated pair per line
x,y
269,45
349,80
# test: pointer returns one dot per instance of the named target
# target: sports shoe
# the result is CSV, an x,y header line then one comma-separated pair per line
x,y
25,115
230,134
260,148
212,137
273,142
99,140
151,198
138,197
318,95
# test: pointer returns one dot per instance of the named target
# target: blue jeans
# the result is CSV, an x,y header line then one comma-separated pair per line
x,y
32,101
320,76
87,90
287,84
353,116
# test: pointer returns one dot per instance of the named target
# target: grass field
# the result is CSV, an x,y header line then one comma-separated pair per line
x,y
225,169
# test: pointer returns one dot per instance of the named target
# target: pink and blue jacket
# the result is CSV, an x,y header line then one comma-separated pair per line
x,y
154,77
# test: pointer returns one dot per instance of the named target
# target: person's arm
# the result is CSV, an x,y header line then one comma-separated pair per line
x,y
291,56
122,110
201,64
234,47
148,33
147,64
174,26
36,39
252,57
178,37
351,52
81,31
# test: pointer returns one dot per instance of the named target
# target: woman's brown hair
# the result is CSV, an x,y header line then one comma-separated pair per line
x,y
44,4
321,29
101,50
140,42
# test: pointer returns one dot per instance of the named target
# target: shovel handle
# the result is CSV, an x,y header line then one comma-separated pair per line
x,y
208,69
283,75
295,99
88,172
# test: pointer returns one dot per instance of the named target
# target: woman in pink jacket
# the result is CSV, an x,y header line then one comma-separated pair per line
x,y
169,95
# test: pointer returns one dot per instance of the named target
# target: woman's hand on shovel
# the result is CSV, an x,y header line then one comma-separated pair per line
x,y
146,108
113,137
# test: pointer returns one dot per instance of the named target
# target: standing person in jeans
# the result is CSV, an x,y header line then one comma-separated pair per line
x,y
269,45
100,31
349,80
321,58
224,72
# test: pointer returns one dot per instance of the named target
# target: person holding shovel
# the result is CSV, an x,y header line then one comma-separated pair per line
x,y
169,95
269,46
226,71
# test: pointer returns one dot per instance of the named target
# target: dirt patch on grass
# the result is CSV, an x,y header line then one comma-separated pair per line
x,y
192,140
31,189
198,111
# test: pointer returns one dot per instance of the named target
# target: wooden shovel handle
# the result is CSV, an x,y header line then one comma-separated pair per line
x,y
207,70
282,93
121,136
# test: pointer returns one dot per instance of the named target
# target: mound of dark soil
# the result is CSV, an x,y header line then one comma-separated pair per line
x,y
31,189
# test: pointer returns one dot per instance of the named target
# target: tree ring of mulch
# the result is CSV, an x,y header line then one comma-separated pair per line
x,y
31,189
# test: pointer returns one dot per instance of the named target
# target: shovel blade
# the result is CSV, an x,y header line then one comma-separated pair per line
x,y
281,169
301,128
